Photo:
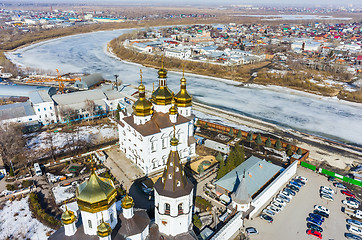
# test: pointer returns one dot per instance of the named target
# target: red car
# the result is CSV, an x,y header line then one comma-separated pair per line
x,y
348,193
314,233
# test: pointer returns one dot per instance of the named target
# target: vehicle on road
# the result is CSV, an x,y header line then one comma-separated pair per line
x,y
280,201
305,180
319,217
314,233
267,211
352,236
314,227
267,218
321,208
339,185
327,197
294,188
353,200
251,230
273,208
290,191
284,198
354,229
323,214
314,221
354,222
350,204
294,183
348,193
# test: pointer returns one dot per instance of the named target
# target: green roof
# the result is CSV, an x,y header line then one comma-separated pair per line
x,y
257,173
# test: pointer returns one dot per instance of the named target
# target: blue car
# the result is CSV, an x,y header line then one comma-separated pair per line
x,y
295,184
314,221
316,216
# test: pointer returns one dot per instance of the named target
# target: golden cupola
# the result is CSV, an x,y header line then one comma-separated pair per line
x,y
127,202
183,98
68,217
104,229
96,194
162,95
142,107
173,108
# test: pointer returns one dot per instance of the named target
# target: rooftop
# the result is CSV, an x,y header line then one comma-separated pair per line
x,y
16,110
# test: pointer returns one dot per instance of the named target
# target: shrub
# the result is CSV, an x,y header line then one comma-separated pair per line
x,y
299,151
197,222
278,145
10,187
258,139
268,143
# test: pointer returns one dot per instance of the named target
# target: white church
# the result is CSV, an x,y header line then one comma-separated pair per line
x,y
98,218
144,136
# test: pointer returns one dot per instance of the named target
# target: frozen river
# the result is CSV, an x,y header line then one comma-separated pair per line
x,y
322,116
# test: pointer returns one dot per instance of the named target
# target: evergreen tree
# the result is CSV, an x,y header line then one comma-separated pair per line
x,y
230,161
206,125
197,222
258,139
249,137
231,132
222,169
219,157
278,145
268,143
117,112
239,135
289,152
289,147
11,172
299,152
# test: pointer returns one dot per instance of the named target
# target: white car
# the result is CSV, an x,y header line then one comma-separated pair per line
x,y
278,205
285,193
280,201
322,191
354,230
327,189
350,204
303,179
273,208
321,208
327,197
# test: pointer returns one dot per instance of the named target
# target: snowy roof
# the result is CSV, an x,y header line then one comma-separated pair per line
x,y
16,110
257,173
40,96
78,97
20,90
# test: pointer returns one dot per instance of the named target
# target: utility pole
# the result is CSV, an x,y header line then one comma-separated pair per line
x,y
116,76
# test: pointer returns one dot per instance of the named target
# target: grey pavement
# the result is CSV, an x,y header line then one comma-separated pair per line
x,y
291,222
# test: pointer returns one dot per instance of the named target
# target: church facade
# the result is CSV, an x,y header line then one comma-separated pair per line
x,y
144,136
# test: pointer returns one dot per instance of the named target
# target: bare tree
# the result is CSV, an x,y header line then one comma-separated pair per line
x,y
67,113
90,107
12,142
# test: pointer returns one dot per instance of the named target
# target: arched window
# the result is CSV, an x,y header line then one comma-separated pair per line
x,y
180,209
89,223
167,208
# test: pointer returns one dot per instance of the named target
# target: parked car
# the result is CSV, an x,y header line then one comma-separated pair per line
x,y
327,197
267,218
321,208
300,182
284,198
276,204
294,183
326,189
323,214
269,212
331,179
305,180
339,185
354,229
348,193
287,194
352,236
319,217
314,233
251,230
314,221
290,191
350,204
294,188
354,222
353,200
280,201
273,208
314,227
325,192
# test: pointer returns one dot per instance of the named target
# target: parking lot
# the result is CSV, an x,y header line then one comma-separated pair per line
x,y
291,222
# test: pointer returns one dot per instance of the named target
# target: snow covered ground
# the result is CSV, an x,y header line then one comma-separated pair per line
x,y
322,116
60,139
16,222
63,193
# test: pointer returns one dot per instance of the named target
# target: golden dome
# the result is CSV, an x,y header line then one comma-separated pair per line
x,y
173,109
96,194
127,202
68,217
183,98
142,107
162,96
104,229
